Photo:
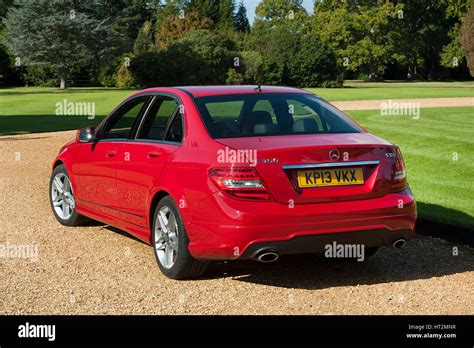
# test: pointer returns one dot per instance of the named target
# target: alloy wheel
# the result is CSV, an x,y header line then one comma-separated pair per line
x,y
62,196
166,237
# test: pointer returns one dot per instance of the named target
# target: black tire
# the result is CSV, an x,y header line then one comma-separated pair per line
x,y
185,266
75,219
370,251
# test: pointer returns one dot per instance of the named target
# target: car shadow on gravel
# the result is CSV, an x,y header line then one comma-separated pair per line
x,y
422,258
112,229
122,233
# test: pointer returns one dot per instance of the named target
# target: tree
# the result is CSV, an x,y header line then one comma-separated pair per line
x,y
241,21
205,8
201,57
174,28
221,12
423,32
312,65
4,4
452,55
225,19
271,16
467,38
215,51
171,8
373,43
173,66
126,17
124,78
253,64
331,22
8,75
289,13
58,34
361,33
280,48
144,39
290,57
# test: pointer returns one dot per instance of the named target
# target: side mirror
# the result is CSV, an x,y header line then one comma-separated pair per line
x,y
85,135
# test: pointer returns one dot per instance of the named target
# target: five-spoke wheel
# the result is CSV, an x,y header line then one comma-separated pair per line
x,y
62,196
62,199
170,243
166,236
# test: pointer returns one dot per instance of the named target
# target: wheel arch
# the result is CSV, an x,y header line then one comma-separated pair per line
x,y
73,176
57,162
157,196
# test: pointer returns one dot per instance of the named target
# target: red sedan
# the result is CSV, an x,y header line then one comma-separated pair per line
x,y
234,172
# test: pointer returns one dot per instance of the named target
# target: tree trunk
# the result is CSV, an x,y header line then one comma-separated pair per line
x,y
63,83
373,76
412,71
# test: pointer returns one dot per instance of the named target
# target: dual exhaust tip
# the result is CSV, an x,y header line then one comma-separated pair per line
x,y
267,256
399,243
271,256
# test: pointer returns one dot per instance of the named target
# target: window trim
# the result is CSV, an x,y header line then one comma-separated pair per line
x,y
155,95
142,120
120,107
170,122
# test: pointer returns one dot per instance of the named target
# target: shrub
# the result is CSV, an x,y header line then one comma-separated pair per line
x,y
314,65
253,66
234,78
124,78
200,58
213,53
288,57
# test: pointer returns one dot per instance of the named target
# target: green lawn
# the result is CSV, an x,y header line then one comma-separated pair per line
x,y
32,109
354,90
443,187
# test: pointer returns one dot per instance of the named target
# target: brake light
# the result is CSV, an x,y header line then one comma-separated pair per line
x,y
239,182
399,181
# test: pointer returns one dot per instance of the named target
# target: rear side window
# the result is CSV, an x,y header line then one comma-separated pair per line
x,y
246,115
160,117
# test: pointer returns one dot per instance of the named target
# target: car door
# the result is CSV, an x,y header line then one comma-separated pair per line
x,y
143,158
98,162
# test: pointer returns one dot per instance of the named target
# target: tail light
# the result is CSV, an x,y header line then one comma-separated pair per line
x,y
399,176
242,183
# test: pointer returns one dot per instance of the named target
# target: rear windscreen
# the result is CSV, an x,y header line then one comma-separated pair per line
x,y
247,115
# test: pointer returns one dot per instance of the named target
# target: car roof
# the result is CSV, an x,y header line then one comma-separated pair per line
x,y
204,91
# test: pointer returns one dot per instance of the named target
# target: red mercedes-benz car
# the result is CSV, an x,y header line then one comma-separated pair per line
x,y
234,172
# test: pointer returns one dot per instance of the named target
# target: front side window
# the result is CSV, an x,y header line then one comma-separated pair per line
x,y
245,115
123,120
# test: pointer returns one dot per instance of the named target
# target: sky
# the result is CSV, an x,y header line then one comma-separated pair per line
x,y
250,5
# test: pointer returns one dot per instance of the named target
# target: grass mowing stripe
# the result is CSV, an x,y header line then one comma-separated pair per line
x,y
435,135
15,101
383,91
443,186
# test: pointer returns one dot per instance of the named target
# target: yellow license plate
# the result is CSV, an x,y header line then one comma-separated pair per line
x,y
330,177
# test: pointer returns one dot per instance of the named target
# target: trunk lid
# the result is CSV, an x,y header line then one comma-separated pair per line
x,y
281,158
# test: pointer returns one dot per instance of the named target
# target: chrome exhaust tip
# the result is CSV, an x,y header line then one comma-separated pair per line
x,y
399,243
268,256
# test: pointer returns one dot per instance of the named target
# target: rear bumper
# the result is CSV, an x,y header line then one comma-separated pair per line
x,y
318,242
222,228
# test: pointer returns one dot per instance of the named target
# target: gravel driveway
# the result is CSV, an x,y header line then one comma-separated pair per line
x,y
98,270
